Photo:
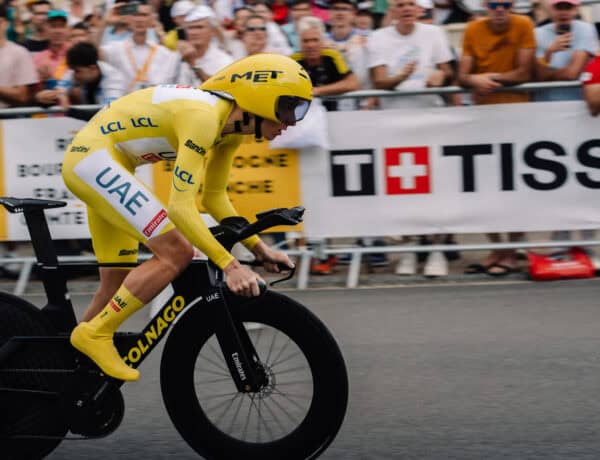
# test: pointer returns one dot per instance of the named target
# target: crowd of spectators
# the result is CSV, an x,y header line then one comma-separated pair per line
x,y
64,52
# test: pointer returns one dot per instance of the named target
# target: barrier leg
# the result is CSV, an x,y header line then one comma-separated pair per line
x,y
24,276
304,269
354,270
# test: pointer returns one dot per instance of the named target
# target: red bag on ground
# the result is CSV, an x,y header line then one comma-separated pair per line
x,y
574,263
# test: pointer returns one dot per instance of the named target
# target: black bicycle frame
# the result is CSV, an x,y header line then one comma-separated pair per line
x,y
238,350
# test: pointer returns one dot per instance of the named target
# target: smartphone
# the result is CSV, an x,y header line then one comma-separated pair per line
x,y
562,29
129,8
181,34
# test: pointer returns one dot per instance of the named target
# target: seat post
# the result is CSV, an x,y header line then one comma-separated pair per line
x,y
59,305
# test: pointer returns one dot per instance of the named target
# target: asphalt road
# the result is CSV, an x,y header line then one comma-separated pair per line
x,y
489,371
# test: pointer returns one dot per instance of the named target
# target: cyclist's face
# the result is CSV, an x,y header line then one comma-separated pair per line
x,y
272,129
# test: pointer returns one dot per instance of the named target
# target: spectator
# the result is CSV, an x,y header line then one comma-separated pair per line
x,y
117,24
79,33
142,62
276,39
411,55
591,86
363,22
450,12
280,11
179,11
497,51
202,56
235,44
564,47
91,80
327,68
255,37
298,10
78,10
51,64
539,12
18,73
38,40
330,75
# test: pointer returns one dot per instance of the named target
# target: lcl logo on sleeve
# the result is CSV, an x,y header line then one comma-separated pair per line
x,y
407,170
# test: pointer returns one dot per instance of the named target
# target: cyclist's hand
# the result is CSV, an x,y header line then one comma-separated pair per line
x,y
270,257
241,280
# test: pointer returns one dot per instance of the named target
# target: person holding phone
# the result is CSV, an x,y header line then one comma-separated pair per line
x,y
564,47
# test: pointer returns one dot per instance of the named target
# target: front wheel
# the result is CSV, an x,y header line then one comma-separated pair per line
x,y
295,415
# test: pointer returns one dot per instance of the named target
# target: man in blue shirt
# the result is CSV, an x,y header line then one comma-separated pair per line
x,y
564,47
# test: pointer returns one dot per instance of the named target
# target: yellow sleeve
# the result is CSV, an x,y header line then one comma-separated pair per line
x,y
214,194
196,131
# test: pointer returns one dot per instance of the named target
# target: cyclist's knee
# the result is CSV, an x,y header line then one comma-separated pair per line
x,y
172,249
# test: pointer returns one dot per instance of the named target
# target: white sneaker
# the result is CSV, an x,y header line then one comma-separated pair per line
x,y
407,264
436,265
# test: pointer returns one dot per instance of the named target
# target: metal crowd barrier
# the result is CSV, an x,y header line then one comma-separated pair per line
x,y
304,254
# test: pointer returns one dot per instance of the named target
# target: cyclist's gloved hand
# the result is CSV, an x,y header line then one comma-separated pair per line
x,y
270,258
241,280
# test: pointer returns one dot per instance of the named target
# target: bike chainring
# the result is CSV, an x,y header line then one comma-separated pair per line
x,y
99,417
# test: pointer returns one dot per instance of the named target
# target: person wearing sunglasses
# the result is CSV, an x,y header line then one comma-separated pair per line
x,y
255,36
497,51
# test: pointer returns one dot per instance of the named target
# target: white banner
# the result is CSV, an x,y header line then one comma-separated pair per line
x,y
32,154
513,167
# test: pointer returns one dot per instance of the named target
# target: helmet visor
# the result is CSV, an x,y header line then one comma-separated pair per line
x,y
291,109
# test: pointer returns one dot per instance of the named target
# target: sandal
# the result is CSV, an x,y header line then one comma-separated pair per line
x,y
473,269
498,269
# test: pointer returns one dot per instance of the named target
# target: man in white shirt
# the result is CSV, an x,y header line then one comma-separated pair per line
x,y
18,71
409,55
202,56
143,63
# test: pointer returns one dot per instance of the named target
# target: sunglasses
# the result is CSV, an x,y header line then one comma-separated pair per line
x,y
496,5
342,8
255,29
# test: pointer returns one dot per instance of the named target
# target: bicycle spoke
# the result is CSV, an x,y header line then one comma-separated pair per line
x,y
260,418
247,418
206,371
258,338
206,382
217,354
292,395
289,399
282,409
293,369
274,416
281,351
221,395
294,382
236,414
293,355
272,345
218,420
212,409
213,362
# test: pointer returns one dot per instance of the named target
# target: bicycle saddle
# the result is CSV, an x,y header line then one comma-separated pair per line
x,y
14,205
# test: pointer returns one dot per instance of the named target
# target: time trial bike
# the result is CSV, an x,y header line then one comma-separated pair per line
x,y
279,390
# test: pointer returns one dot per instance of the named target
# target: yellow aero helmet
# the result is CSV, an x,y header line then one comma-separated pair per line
x,y
271,86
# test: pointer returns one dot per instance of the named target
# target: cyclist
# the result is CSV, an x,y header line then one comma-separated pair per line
x,y
200,129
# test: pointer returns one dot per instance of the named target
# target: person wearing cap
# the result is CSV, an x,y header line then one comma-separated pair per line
x,y
276,39
179,10
18,73
51,64
201,54
142,61
563,48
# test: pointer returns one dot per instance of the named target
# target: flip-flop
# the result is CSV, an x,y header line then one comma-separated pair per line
x,y
473,269
504,270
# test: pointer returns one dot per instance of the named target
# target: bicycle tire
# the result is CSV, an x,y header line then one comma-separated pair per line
x,y
22,414
328,405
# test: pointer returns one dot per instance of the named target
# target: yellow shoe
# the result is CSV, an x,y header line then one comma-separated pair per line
x,y
101,349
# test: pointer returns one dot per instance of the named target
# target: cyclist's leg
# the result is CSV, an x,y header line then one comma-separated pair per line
x,y
120,202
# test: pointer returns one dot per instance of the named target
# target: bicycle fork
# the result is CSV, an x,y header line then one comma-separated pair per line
x,y
238,350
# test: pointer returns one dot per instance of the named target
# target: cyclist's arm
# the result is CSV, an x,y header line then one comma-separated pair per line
x,y
196,132
214,193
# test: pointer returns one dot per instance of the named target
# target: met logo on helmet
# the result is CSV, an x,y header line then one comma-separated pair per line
x,y
257,76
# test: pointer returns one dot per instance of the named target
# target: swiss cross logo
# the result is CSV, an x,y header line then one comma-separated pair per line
x,y
407,170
